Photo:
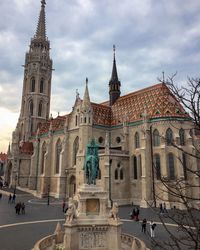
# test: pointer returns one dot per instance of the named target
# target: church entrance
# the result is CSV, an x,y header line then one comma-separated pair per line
x,y
72,186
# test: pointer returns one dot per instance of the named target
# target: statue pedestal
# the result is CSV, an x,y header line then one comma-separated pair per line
x,y
92,228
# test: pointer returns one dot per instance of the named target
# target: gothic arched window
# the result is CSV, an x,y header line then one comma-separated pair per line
x,y
40,109
58,151
135,167
171,168
31,107
157,166
137,140
169,136
75,149
42,157
182,137
42,85
156,138
116,174
121,173
32,84
140,164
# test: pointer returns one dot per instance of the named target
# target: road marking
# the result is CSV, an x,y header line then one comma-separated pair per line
x,y
30,222
33,201
56,220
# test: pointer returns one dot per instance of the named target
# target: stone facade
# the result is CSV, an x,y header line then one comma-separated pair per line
x,y
47,155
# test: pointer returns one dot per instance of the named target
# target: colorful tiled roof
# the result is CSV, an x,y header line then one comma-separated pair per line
x,y
57,124
156,101
27,148
3,157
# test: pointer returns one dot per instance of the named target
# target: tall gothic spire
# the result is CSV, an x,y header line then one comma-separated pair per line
x,y
41,27
114,83
114,76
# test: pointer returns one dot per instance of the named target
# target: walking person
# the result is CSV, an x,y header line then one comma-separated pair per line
x,y
0,196
23,208
137,212
10,198
144,225
63,205
152,229
164,208
13,198
161,208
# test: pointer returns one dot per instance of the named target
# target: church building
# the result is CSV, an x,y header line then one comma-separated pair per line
x,y
135,133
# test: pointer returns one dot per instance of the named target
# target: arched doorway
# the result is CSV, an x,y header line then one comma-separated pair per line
x,y
72,186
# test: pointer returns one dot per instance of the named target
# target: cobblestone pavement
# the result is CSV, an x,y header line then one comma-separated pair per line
x,y
20,232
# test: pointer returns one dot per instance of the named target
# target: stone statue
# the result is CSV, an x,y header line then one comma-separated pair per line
x,y
114,211
71,212
91,165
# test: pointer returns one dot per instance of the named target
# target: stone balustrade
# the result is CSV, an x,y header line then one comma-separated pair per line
x,y
128,242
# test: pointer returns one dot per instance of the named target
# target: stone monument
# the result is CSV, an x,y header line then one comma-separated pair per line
x,y
89,223
92,226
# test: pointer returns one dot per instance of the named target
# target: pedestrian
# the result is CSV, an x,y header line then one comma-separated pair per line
x,y
17,208
161,208
137,212
23,208
63,205
144,225
152,228
10,198
0,196
13,198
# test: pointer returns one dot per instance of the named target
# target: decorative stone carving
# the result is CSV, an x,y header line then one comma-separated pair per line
x,y
114,211
71,212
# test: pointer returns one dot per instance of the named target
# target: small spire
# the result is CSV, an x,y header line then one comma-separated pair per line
x,y
163,76
86,97
41,27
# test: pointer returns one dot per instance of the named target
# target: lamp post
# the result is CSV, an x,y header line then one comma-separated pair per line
x,y
48,190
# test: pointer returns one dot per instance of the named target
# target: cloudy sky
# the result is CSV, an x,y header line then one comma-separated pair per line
x,y
151,36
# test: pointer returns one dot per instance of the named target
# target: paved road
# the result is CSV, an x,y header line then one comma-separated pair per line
x,y
20,232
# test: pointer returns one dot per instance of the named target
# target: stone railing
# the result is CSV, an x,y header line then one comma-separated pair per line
x,y
132,243
128,242
49,242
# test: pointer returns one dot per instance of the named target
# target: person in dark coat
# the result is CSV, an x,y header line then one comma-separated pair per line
x,y
13,198
10,198
137,212
23,208
144,225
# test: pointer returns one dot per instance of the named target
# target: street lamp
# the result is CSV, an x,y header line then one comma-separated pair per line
x,y
48,190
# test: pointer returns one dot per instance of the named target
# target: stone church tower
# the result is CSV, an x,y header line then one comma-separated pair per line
x,y
36,91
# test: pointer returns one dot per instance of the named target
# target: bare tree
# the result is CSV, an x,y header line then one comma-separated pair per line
x,y
184,190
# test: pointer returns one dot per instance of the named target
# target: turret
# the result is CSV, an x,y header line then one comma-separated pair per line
x,y
86,108
114,83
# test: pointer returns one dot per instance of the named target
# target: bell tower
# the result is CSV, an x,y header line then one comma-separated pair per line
x,y
35,105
